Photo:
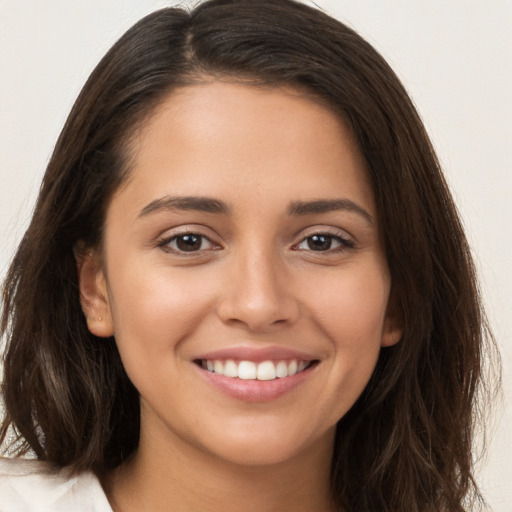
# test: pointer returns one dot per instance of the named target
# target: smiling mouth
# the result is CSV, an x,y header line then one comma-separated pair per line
x,y
249,370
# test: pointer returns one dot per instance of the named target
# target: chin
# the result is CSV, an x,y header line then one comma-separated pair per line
x,y
267,446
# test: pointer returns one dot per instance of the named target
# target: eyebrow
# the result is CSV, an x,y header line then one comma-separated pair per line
x,y
212,205
191,203
298,208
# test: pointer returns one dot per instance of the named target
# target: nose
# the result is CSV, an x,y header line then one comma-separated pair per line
x,y
258,294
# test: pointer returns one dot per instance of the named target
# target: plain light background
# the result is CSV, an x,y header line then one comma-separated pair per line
x,y
454,57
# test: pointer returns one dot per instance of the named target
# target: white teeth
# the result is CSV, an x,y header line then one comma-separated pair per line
x,y
247,370
218,367
266,371
281,369
231,369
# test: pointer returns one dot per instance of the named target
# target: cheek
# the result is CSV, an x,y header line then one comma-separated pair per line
x,y
351,307
351,312
157,308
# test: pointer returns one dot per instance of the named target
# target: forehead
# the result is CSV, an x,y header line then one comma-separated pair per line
x,y
213,138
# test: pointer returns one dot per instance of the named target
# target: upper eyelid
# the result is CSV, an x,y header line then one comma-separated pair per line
x,y
166,239
324,230
192,229
301,235
346,243
164,244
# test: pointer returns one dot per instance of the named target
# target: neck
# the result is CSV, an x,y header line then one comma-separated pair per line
x,y
180,477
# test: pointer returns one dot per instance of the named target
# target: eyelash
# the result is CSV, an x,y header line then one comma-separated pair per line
x,y
166,242
343,243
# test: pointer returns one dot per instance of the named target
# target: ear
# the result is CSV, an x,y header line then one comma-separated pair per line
x,y
94,296
393,328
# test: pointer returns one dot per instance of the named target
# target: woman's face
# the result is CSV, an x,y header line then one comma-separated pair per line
x,y
245,241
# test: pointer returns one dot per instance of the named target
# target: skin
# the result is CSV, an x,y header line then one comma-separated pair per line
x,y
256,280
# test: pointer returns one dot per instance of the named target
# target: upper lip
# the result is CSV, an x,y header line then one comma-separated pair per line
x,y
259,354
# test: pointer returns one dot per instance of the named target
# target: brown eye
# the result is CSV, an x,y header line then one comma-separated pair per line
x,y
319,242
324,242
187,242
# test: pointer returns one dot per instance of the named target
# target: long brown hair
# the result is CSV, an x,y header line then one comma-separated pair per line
x,y
406,443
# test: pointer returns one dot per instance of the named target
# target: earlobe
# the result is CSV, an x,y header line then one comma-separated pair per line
x,y
393,328
94,297
392,333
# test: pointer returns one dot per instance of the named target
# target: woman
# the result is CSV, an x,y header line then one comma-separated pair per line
x,y
245,285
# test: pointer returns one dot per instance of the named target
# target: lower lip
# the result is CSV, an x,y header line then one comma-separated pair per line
x,y
255,390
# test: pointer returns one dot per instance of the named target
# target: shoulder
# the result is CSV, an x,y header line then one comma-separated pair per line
x,y
30,485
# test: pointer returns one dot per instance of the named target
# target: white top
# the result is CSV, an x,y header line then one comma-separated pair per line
x,y
30,486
